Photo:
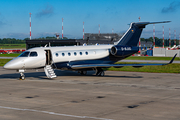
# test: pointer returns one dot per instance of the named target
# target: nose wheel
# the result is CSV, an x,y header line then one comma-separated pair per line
x,y
22,76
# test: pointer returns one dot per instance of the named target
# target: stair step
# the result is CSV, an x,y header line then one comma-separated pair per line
x,y
52,74
49,71
48,67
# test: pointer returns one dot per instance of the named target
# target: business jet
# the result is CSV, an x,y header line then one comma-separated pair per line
x,y
82,58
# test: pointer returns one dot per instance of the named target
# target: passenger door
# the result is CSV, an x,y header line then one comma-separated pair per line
x,y
48,57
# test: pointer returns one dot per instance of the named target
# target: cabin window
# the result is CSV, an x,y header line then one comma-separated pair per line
x,y
69,54
24,54
33,54
63,54
75,53
56,54
86,53
80,53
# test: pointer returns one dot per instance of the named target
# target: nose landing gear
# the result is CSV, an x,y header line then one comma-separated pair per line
x,y
22,76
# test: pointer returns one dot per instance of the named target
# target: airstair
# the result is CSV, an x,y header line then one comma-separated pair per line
x,y
49,71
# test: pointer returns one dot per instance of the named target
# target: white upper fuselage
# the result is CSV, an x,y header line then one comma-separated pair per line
x,y
59,54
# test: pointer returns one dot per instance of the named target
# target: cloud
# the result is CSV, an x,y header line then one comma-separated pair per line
x,y
172,7
48,11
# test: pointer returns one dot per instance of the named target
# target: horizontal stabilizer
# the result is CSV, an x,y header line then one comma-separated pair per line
x,y
139,24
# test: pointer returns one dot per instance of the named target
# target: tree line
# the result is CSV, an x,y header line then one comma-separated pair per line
x,y
23,41
11,41
158,41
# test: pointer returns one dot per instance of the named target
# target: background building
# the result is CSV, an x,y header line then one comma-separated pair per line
x,y
103,36
90,39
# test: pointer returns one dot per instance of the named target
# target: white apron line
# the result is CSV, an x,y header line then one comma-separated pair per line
x,y
53,113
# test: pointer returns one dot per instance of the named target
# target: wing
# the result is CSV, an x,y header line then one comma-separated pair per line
x,y
116,65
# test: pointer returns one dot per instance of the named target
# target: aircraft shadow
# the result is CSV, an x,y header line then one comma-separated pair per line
x,y
91,73
41,75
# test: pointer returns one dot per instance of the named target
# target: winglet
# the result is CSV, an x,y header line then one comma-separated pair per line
x,y
172,59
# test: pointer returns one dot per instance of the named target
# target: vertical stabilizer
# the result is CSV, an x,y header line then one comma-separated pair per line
x,y
131,37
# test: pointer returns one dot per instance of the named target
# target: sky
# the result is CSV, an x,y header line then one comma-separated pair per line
x,y
46,19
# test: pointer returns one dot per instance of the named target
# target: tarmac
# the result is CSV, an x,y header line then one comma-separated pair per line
x,y
70,96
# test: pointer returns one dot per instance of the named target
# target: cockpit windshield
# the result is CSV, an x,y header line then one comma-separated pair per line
x,y
24,54
33,54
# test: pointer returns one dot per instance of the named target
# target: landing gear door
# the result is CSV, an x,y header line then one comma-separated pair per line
x,y
48,57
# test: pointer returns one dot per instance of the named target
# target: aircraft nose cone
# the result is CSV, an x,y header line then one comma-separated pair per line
x,y
7,66
13,64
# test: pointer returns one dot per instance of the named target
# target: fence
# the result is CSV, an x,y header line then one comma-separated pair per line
x,y
164,52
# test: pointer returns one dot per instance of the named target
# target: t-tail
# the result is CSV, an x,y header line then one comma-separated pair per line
x,y
127,45
131,37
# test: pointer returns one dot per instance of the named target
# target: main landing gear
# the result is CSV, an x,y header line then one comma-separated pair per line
x,y
82,72
22,76
99,72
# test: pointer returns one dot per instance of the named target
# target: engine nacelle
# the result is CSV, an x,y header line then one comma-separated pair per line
x,y
120,51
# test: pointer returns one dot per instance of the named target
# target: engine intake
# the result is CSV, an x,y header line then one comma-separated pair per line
x,y
113,50
120,51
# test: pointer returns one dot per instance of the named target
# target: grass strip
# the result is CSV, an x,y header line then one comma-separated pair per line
x,y
150,58
10,55
171,68
4,61
12,46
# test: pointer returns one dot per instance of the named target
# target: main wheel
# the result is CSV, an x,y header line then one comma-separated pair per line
x,y
101,73
83,72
